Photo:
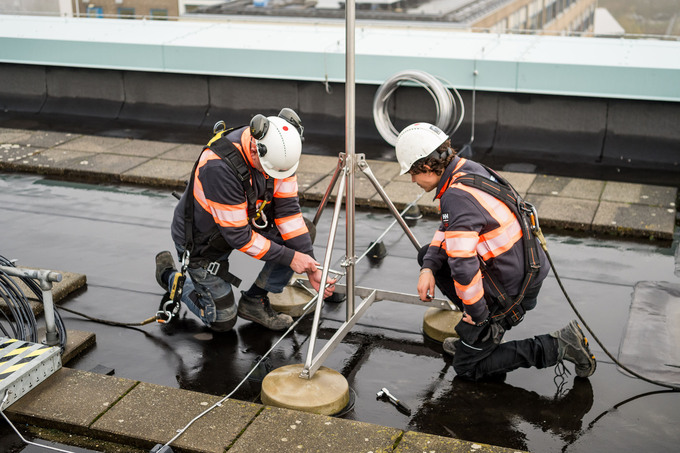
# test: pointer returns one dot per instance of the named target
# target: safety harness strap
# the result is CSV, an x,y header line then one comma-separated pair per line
x,y
228,152
523,211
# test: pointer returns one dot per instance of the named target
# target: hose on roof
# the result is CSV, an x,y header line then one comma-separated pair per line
x,y
448,103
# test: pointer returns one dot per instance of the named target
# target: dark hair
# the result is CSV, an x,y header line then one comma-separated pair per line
x,y
434,164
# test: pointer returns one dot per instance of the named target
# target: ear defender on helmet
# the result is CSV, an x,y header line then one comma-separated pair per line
x,y
293,118
279,142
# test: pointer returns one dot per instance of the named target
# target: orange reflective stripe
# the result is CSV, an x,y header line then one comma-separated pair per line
x,y
223,214
461,244
286,188
257,247
291,226
438,240
495,207
471,292
499,240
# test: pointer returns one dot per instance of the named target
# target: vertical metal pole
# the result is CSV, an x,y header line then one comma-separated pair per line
x,y
349,149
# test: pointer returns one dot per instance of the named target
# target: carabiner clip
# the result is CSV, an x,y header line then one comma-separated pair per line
x,y
260,215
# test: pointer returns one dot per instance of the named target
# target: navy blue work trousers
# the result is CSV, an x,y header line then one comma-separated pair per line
x,y
480,353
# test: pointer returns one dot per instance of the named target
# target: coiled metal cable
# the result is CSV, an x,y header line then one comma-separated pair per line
x,y
448,103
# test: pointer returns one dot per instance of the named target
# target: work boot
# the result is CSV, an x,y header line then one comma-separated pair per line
x,y
258,309
164,262
449,345
573,346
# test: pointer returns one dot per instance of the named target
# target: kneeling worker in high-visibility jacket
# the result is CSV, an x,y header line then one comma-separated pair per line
x,y
486,260
242,195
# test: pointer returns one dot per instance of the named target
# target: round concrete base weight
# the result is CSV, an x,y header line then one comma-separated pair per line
x,y
439,324
291,301
326,393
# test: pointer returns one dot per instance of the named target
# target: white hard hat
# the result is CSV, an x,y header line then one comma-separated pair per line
x,y
417,141
279,145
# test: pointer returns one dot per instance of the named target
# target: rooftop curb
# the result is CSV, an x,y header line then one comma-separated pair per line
x,y
591,206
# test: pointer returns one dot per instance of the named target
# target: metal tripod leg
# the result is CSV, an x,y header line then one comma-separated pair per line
x,y
369,295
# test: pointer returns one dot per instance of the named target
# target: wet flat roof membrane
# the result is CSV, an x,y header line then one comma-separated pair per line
x,y
112,234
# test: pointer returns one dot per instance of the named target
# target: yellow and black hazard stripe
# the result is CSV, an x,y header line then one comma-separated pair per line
x,y
26,351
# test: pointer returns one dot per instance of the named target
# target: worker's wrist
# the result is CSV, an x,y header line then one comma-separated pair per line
x,y
426,270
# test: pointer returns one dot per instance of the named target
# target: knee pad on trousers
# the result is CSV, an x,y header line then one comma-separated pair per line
x,y
225,308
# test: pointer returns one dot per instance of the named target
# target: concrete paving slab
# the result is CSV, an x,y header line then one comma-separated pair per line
x,y
278,430
363,189
47,139
307,180
567,187
103,164
413,442
640,193
185,152
93,144
70,400
143,148
77,342
159,173
564,213
317,164
13,154
54,158
403,193
635,220
383,170
520,181
163,410
13,136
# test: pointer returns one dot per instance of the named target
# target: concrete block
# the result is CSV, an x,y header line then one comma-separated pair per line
x,y
92,144
185,152
643,134
88,92
564,213
413,442
159,172
276,430
111,165
567,187
70,400
635,220
164,410
143,148
640,194
166,98
22,88
45,139
520,181
571,129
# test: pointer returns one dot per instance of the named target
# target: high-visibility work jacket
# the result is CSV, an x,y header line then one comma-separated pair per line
x,y
221,222
477,226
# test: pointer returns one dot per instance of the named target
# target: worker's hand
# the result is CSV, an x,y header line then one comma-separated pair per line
x,y
426,285
303,263
468,319
315,280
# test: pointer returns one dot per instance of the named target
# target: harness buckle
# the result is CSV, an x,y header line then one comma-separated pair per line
x,y
213,268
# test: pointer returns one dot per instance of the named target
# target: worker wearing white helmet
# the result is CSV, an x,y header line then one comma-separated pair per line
x,y
485,259
242,196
